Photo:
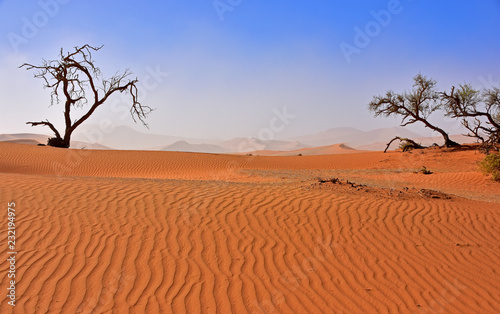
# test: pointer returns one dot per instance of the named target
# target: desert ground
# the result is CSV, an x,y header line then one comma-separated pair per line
x,y
105,231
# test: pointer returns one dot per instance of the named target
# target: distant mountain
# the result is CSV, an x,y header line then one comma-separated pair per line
x,y
183,146
241,144
235,145
354,137
124,137
328,137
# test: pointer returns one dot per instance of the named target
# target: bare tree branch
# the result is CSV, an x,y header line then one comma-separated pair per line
x,y
409,143
414,106
467,103
75,77
474,129
47,123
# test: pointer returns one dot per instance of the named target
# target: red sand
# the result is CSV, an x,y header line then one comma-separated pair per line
x,y
120,231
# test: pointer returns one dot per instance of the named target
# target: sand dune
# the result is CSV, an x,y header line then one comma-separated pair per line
x,y
183,146
36,139
162,165
131,231
313,151
20,137
24,141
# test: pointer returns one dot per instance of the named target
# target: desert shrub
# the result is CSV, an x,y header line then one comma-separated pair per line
x,y
423,170
332,180
491,165
56,142
407,146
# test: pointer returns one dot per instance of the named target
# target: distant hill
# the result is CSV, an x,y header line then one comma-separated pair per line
x,y
124,137
241,144
26,138
236,145
35,139
328,137
321,150
183,146
354,137
326,142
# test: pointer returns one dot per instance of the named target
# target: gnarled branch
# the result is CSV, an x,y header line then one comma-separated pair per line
x,y
46,123
410,144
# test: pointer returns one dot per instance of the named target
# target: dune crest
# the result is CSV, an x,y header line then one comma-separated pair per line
x,y
312,151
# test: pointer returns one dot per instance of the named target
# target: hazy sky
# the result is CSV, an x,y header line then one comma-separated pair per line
x,y
225,68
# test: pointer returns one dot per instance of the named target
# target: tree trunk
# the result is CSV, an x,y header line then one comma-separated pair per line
x,y
447,141
67,136
61,142
58,142
446,137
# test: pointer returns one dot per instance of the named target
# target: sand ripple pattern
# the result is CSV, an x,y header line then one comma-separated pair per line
x,y
120,245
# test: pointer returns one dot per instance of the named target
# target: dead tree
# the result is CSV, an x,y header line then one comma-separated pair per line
x,y
474,129
414,106
479,112
407,144
75,78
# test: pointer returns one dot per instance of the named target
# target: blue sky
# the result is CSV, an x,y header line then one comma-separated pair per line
x,y
232,63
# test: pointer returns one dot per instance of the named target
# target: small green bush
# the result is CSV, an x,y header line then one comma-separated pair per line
x,y
491,165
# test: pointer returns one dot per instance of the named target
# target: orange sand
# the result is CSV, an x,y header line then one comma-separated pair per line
x,y
135,231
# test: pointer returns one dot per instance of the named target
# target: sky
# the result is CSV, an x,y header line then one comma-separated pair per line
x,y
239,68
